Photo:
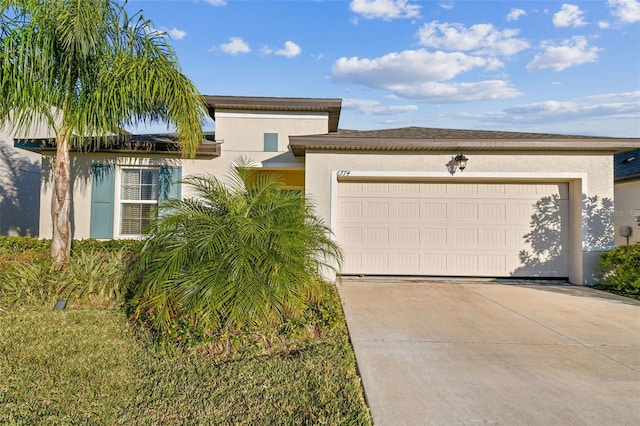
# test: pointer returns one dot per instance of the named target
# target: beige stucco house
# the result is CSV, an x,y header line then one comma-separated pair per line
x,y
399,201
627,197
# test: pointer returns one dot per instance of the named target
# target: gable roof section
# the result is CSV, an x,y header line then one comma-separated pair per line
x,y
332,106
434,139
627,166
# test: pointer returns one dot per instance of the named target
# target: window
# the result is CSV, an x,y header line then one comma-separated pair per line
x,y
139,188
140,191
271,142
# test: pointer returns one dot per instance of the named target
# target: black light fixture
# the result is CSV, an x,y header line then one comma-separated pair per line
x,y
461,161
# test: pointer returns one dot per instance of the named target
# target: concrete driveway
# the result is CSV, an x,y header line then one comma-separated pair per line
x,y
467,352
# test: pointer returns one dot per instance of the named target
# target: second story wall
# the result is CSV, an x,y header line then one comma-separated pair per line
x,y
256,131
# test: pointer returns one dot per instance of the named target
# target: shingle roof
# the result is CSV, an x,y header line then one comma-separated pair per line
x,y
434,139
437,133
627,165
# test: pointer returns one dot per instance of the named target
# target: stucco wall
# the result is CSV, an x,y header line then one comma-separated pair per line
x,y
590,178
241,135
19,184
81,180
627,208
243,132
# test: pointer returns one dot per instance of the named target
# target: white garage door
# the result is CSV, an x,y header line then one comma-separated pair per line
x,y
455,229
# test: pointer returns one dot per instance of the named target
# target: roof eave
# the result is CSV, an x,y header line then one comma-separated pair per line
x,y
300,144
207,148
626,179
332,106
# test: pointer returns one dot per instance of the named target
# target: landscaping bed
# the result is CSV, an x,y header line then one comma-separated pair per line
x,y
96,362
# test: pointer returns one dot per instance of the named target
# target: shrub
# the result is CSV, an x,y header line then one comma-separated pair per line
x,y
35,284
14,245
98,272
24,250
621,269
321,319
245,253
29,249
126,246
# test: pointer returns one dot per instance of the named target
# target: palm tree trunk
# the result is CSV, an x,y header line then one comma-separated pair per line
x,y
61,201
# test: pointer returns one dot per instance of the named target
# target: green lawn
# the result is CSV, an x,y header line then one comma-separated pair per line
x,y
85,367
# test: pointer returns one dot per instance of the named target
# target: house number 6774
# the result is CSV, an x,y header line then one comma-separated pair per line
x,y
344,173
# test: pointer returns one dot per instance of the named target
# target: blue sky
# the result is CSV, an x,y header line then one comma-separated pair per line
x,y
542,66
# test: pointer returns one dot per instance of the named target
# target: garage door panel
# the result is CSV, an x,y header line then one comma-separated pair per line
x,y
435,211
411,228
460,264
492,211
410,237
408,210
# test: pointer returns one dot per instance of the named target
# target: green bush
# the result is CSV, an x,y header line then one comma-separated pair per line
x,y
34,284
321,319
621,269
244,253
92,245
15,245
98,272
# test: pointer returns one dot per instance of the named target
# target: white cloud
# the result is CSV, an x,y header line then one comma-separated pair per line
x,y
493,64
371,107
235,46
385,9
437,92
216,2
447,5
290,50
618,96
412,66
515,14
479,38
592,114
569,16
627,11
603,25
559,111
419,74
175,33
608,114
574,51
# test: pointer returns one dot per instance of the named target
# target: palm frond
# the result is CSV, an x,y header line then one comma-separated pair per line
x,y
243,253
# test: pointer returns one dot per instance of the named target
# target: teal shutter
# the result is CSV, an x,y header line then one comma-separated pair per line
x,y
103,183
169,186
270,142
169,183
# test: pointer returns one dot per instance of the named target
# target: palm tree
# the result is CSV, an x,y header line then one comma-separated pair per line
x,y
88,69
241,252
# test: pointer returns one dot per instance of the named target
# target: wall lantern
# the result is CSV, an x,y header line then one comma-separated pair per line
x,y
457,162
461,161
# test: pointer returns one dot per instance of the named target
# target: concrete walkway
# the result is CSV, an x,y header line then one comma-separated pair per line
x,y
461,352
